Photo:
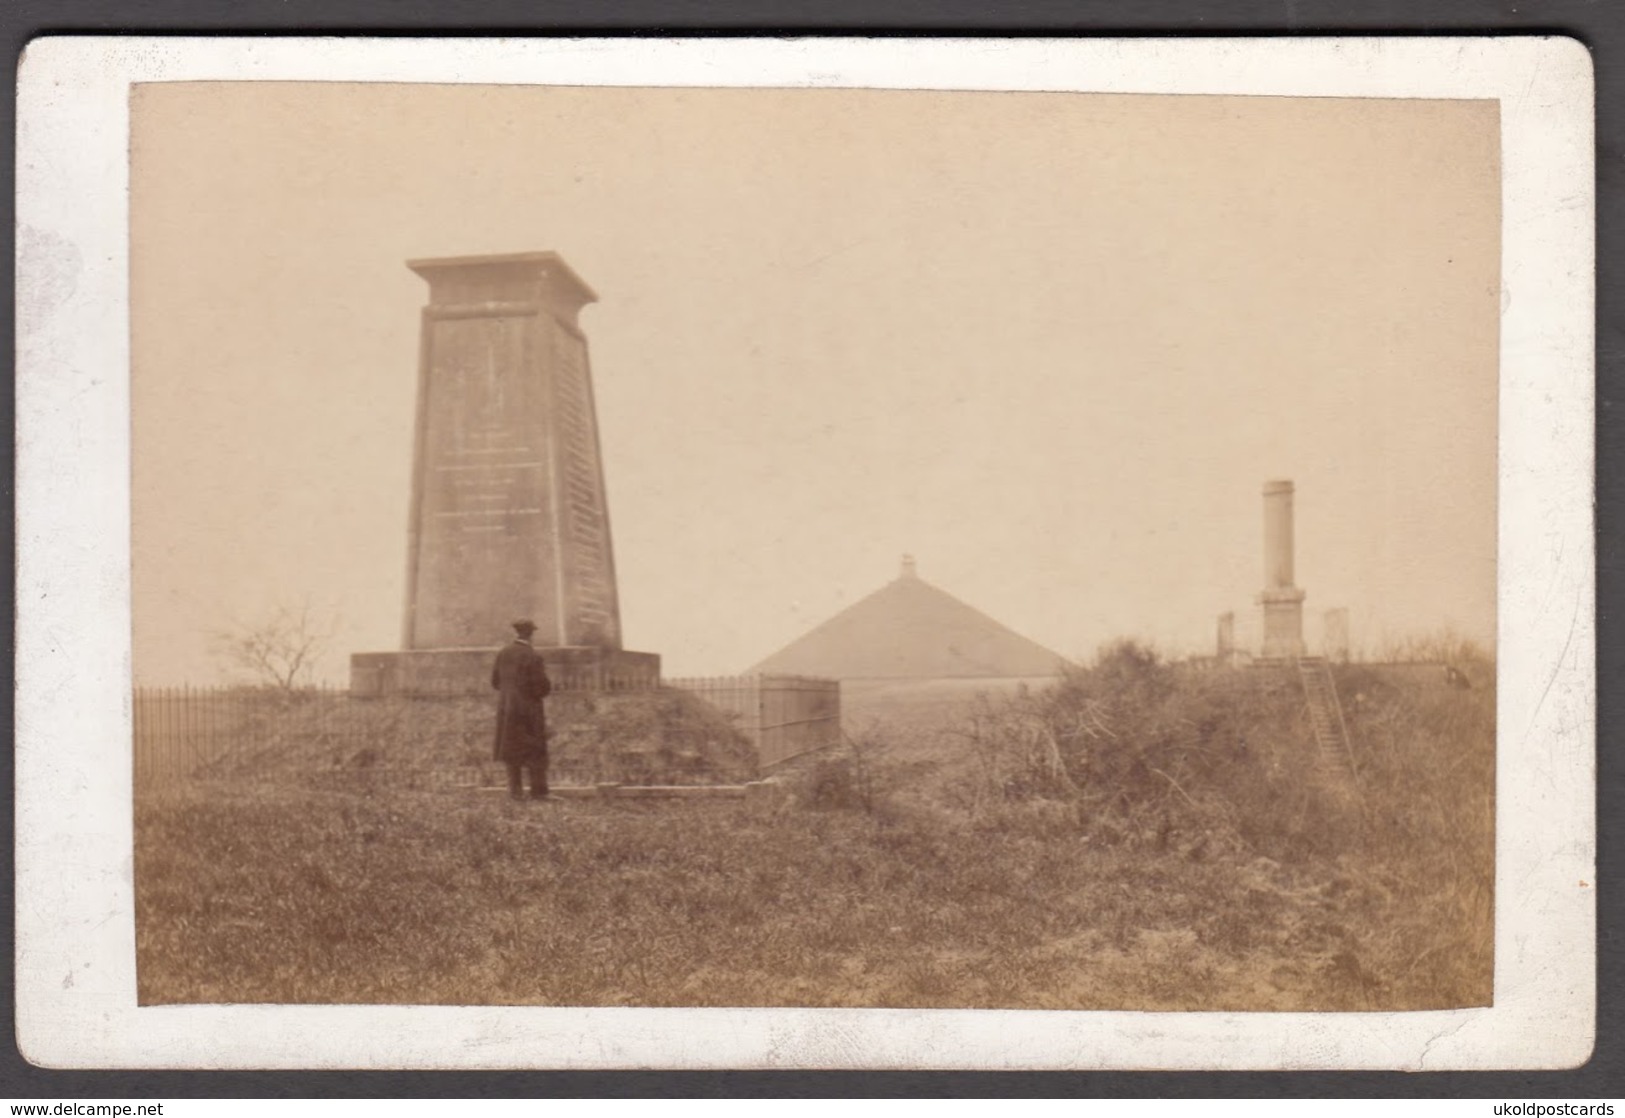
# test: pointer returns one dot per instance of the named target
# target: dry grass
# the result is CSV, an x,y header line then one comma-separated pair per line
x,y
960,860
265,894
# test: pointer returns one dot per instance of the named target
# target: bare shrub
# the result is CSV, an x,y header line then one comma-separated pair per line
x,y
1443,646
1144,752
830,785
278,651
860,776
1139,754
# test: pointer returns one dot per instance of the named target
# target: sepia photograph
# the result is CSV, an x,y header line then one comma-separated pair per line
x,y
721,546
1053,552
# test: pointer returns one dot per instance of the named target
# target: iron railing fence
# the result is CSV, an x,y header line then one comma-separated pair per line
x,y
784,716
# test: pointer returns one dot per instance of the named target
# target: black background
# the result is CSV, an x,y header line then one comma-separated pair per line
x,y
1597,23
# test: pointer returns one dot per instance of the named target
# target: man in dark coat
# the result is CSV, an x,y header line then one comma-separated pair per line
x,y
521,678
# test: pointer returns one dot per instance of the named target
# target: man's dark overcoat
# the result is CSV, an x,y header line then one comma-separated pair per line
x,y
522,680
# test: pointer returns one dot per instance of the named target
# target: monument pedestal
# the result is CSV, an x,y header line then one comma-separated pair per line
x,y
1283,624
466,671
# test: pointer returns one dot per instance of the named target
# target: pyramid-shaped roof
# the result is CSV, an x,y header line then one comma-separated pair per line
x,y
909,629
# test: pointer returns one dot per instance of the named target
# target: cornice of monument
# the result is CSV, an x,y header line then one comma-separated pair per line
x,y
558,284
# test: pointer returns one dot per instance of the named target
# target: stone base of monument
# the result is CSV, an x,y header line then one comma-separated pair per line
x,y
453,671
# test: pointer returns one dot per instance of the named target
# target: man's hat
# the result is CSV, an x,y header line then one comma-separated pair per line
x,y
524,628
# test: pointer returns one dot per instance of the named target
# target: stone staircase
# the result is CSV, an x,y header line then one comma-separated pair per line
x,y
1335,755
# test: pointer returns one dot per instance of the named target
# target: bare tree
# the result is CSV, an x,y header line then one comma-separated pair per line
x,y
279,651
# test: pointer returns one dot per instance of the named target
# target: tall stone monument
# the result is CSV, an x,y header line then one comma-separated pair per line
x,y
509,516
1282,601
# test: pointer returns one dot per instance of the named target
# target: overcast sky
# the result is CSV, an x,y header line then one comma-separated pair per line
x,y
1051,344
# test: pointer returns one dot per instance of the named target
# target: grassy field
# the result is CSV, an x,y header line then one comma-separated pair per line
x,y
965,853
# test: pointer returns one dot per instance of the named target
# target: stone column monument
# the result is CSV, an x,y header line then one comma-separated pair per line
x,y
509,516
1282,601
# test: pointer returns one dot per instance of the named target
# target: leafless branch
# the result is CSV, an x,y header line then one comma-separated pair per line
x,y
278,651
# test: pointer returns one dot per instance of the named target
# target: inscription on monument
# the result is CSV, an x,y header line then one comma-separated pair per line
x,y
484,484
584,528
